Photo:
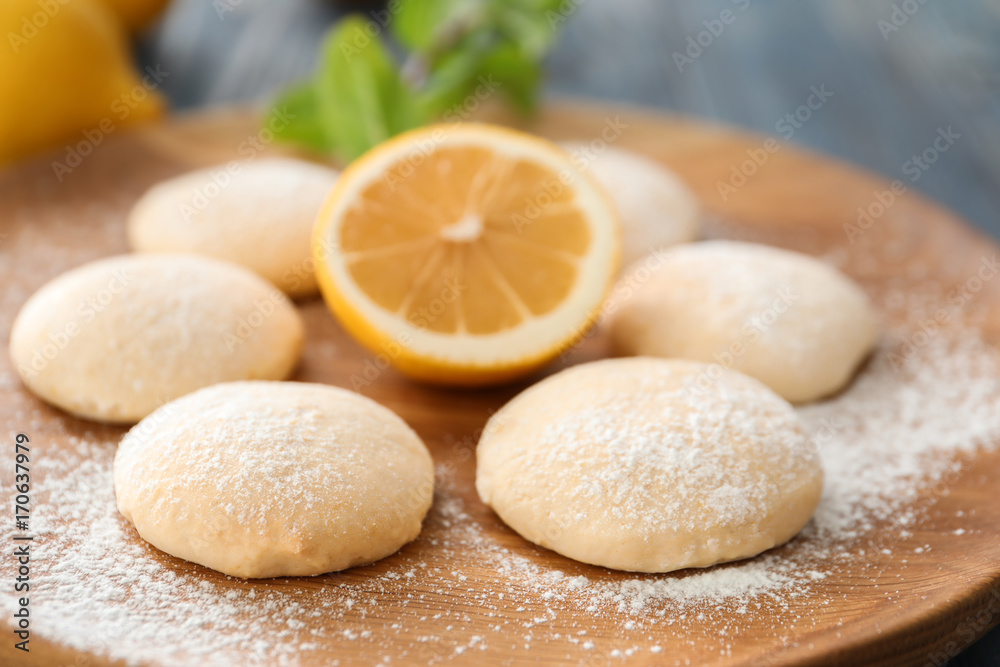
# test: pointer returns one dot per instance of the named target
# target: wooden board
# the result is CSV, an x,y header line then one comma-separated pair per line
x,y
892,610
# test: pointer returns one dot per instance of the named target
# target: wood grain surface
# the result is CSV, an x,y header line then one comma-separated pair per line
x,y
890,611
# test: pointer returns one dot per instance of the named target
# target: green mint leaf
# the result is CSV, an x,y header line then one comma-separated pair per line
x,y
361,96
455,73
515,73
526,26
301,121
457,48
418,24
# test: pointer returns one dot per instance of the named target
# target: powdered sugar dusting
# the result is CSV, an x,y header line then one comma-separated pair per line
x,y
274,478
465,588
644,452
892,426
615,459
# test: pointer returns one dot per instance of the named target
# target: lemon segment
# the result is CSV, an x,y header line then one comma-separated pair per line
x,y
466,254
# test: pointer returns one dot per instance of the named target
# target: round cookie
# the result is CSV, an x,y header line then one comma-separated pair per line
x,y
657,209
114,339
259,215
794,323
630,464
269,479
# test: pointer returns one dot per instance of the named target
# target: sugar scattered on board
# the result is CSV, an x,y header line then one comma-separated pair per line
x,y
892,436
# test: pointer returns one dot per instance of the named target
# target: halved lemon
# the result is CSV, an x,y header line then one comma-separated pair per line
x,y
466,254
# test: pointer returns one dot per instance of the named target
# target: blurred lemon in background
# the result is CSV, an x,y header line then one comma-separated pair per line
x,y
136,14
67,71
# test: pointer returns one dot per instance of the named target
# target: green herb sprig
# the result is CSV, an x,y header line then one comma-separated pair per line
x,y
362,94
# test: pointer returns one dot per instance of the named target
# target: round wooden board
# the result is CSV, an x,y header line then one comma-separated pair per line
x,y
917,610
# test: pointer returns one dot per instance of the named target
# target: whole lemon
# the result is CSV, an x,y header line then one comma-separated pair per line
x,y
67,76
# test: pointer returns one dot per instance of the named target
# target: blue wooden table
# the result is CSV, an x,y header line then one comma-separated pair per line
x,y
884,79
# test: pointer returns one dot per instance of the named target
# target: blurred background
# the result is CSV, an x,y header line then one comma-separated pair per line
x,y
897,71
